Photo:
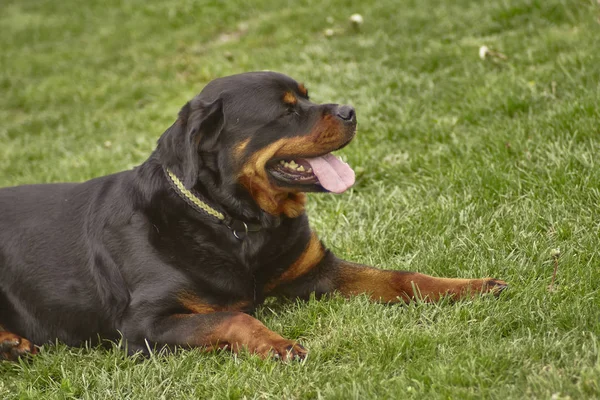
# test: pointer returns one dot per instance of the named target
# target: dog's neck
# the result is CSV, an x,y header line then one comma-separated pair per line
x,y
229,197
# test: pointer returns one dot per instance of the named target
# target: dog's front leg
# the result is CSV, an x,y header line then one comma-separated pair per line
x,y
232,330
319,271
394,286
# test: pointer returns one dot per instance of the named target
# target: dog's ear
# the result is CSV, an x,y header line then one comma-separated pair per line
x,y
204,125
197,129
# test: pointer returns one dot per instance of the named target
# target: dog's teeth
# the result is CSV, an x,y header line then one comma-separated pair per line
x,y
286,164
309,170
293,164
300,168
282,162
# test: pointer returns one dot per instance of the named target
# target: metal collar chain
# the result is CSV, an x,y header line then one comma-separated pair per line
x,y
239,229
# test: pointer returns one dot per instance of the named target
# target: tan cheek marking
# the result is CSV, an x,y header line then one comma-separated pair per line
x,y
240,148
253,177
325,135
289,98
294,205
310,257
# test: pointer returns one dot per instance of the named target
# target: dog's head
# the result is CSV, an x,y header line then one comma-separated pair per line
x,y
259,133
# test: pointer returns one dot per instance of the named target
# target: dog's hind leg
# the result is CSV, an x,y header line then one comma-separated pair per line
x,y
13,346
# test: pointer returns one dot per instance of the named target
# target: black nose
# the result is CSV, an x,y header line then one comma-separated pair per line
x,y
346,113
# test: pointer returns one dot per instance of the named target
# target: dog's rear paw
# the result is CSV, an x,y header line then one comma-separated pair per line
x,y
13,346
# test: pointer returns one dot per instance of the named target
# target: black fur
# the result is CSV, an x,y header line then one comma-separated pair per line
x,y
111,255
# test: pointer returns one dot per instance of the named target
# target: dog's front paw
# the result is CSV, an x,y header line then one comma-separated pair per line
x,y
13,346
489,285
475,287
284,350
495,286
243,332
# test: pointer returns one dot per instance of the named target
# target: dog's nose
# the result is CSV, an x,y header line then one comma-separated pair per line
x,y
346,113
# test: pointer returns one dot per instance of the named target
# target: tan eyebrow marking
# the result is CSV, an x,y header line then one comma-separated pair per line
x,y
289,98
302,89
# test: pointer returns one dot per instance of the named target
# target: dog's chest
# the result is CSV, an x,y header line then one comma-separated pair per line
x,y
222,268
243,268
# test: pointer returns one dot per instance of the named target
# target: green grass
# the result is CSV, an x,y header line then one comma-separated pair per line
x,y
467,168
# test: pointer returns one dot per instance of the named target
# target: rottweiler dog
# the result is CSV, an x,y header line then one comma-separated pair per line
x,y
180,250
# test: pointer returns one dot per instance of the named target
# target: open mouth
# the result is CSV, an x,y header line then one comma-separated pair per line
x,y
326,171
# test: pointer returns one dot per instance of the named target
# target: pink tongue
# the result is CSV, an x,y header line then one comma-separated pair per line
x,y
333,174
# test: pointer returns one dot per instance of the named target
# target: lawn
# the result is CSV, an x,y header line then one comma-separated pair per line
x,y
466,168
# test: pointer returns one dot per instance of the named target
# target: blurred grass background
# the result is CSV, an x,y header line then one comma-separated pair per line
x,y
466,167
